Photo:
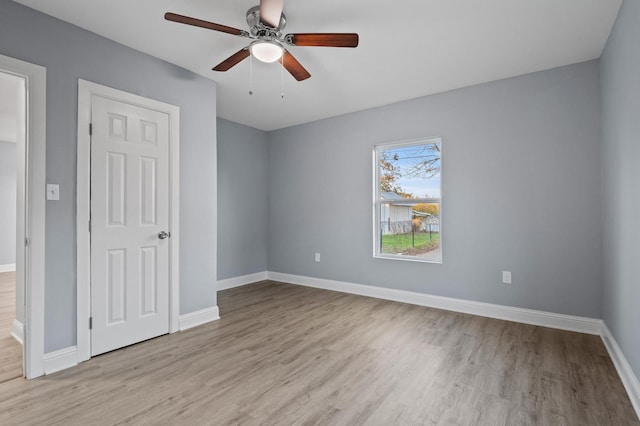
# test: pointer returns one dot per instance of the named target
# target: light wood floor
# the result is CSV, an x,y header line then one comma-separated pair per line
x,y
283,354
10,350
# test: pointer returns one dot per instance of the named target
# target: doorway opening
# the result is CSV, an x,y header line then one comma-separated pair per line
x,y
22,201
12,139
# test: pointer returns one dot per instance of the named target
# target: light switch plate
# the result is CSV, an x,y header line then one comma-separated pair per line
x,y
53,192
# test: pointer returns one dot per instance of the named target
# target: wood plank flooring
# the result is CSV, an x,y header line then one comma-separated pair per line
x,y
10,350
283,354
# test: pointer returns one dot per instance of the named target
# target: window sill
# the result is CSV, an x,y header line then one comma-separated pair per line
x,y
406,258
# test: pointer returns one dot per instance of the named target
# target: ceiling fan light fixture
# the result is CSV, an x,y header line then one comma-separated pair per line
x,y
266,51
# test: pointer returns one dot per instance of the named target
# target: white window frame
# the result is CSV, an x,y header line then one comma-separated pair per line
x,y
377,201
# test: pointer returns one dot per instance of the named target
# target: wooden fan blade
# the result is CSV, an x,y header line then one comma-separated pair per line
x,y
203,24
270,12
233,60
294,67
326,39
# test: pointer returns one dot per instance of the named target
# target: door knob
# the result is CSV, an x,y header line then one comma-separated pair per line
x,y
163,235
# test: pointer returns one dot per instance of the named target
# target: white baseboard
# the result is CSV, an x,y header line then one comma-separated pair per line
x,y
60,360
17,331
240,281
8,268
527,316
628,377
197,318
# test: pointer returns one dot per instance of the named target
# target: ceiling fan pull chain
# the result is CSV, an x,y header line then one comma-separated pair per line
x,y
282,78
250,74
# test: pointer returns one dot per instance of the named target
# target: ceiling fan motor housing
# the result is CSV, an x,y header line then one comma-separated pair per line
x,y
260,29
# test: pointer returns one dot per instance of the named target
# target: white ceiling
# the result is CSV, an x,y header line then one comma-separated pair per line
x,y
408,48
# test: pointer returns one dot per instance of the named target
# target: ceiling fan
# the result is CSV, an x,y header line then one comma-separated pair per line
x,y
266,23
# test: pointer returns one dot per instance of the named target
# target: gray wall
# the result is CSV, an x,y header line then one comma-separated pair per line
x,y
70,53
8,184
521,161
243,200
621,180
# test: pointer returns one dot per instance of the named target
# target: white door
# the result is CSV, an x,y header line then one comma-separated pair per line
x,y
129,224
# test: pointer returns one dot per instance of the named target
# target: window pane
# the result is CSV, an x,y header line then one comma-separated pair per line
x,y
410,230
408,201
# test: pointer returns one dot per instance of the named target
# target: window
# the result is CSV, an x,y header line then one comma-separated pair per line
x,y
407,204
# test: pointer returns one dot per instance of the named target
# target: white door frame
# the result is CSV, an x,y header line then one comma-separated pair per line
x,y
86,90
32,211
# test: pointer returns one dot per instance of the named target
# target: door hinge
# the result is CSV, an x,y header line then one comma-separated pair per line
x,y
90,323
90,129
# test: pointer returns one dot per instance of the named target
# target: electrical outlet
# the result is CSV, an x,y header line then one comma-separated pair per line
x,y
506,277
317,257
